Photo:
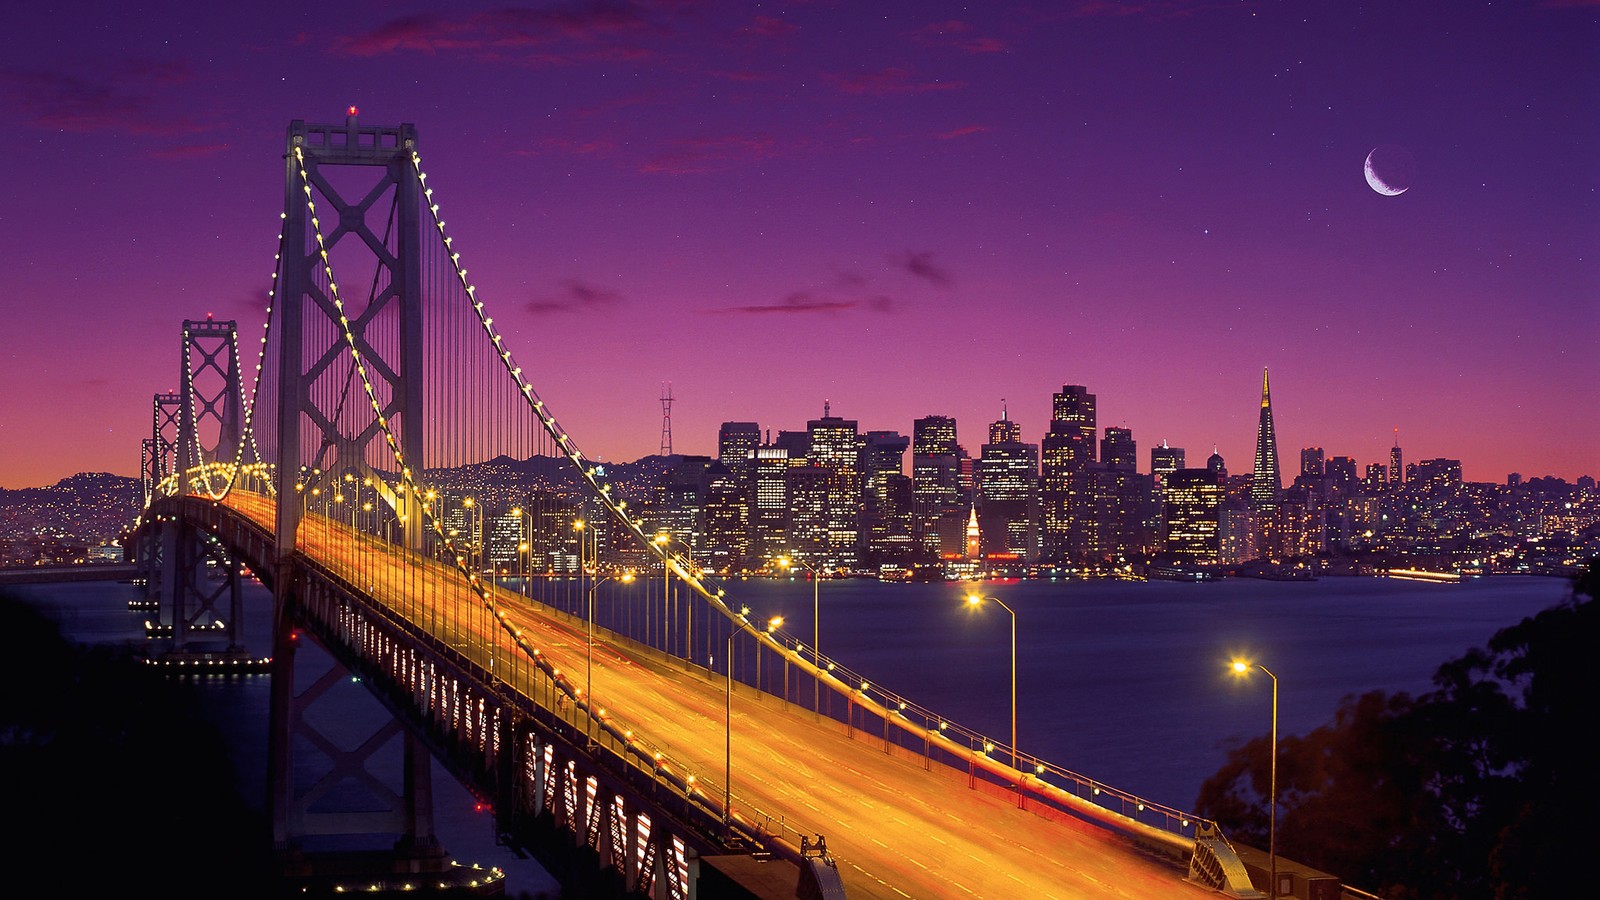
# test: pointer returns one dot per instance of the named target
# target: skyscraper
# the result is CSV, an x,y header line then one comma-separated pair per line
x,y
936,483
1397,474
1267,481
1118,449
1067,450
769,512
1164,461
1074,408
1007,482
836,449
736,447
1311,462
886,493
1192,514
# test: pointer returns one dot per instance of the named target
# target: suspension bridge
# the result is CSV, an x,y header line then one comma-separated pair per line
x,y
636,748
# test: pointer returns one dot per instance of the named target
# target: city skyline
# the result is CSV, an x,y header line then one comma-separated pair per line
x,y
927,211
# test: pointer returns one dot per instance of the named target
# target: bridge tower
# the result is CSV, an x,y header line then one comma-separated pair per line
x,y
367,194
202,609
159,455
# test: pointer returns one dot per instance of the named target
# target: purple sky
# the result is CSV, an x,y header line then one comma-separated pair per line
x,y
904,209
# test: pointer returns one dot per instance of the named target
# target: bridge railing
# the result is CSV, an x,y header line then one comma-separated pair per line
x,y
983,756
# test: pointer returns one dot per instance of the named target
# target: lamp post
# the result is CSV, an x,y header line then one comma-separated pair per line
x,y
977,600
467,504
727,738
660,540
786,563
1242,667
588,662
578,526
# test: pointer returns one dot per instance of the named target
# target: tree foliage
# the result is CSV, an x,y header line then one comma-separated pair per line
x,y
1472,790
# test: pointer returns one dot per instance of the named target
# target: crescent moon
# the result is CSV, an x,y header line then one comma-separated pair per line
x,y
1377,183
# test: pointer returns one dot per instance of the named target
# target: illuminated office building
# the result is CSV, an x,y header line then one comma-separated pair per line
x,y
836,448
1007,482
939,512
1066,453
769,509
736,447
1164,461
1192,515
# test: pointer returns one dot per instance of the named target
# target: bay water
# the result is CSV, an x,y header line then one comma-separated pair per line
x,y
1125,682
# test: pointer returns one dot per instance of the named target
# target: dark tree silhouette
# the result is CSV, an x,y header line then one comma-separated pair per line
x,y
113,783
1477,789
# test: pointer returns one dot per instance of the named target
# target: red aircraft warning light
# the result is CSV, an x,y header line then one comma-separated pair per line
x,y
352,111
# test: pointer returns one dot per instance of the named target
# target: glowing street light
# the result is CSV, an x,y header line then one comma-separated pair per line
x,y
1241,668
660,540
786,563
975,600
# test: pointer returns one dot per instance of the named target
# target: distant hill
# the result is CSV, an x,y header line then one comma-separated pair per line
x,y
93,506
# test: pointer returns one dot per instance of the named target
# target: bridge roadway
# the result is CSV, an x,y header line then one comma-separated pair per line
x,y
895,828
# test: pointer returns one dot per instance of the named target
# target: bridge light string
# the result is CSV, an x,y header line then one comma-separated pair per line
x,y
695,578
617,507
474,582
247,403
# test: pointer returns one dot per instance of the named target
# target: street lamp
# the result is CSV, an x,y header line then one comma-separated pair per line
x,y
727,737
660,540
472,531
1240,668
977,600
786,563
578,526
588,662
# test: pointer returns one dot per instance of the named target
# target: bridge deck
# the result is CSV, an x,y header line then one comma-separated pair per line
x,y
895,828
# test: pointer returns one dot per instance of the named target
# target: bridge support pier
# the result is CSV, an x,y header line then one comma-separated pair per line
x,y
323,846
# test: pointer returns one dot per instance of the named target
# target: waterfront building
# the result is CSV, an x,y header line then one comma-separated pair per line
x,y
886,521
808,531
1007,485
836,448
1066,452
726,516
1192,515
769,509
939,512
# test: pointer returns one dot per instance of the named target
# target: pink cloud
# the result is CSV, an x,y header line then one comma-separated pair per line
x,y
767,26
962,131
804,303
890,81
574,296
957,35
698,155
81,105
520,34
189,151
